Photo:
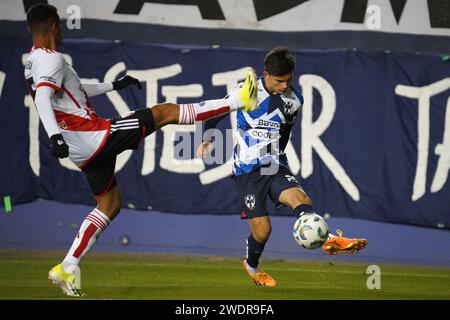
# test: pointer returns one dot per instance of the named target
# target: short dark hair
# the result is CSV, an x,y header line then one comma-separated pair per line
x,y
40,15
279,61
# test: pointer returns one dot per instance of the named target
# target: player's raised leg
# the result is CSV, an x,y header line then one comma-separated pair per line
x,y
172,113
297,199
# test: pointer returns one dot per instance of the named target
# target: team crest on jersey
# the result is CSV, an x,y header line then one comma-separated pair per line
x,y
250,201
62,125
287,107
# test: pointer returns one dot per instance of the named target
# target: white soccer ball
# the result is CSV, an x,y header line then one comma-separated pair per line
x,y
310,231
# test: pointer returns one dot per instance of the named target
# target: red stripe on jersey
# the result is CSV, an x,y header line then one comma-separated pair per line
x,y
48,84
243,215
212,113
88,233
71,97
77,123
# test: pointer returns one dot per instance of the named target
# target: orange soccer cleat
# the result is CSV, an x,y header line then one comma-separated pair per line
x,y
340,244
260,278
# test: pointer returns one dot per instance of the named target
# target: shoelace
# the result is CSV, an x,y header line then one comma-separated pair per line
x,y
78,292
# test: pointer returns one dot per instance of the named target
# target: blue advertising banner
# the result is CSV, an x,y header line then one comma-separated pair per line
x,y
372,140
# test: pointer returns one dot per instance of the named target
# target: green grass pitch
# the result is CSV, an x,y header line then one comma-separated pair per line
x,y
23,275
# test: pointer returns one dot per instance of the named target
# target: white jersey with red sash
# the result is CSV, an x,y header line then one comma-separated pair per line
x,y
84,132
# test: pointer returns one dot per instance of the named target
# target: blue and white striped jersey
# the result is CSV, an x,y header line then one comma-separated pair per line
x,y
263,134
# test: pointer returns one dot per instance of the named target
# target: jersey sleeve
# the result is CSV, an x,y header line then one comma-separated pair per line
x,y
43,102
50,71
95,89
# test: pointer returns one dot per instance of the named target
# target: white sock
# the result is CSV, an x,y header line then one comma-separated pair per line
x,y
189,113
250,269
91,228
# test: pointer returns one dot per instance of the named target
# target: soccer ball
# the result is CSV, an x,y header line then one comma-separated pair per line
x,y
310,231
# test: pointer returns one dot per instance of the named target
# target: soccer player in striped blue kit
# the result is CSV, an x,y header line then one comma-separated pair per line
x,y
260,164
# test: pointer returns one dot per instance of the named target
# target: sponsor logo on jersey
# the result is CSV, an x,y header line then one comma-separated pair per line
x,y
264,134
268,124
48,79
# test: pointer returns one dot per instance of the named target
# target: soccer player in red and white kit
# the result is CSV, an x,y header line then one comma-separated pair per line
x,y
91,142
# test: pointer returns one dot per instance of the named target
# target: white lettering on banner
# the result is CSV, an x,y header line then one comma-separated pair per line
x,y
443,151
311,132
423,95
228,79
33,132
293,160
120,106
168,160
2,81
151,77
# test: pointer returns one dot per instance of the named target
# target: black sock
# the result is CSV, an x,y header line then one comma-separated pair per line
x,y
254,251
303,208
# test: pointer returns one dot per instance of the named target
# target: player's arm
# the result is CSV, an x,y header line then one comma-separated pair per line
x,y
94,89
49,77
43,102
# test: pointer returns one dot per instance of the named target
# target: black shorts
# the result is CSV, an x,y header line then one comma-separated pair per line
x,y
126,133
254,187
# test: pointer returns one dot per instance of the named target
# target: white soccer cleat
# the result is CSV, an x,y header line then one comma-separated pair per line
x,y
70,283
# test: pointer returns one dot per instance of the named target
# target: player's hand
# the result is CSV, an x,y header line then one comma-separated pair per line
x,y
125,82
204,149
58,146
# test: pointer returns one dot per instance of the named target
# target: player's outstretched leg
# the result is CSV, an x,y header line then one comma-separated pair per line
x,y
245,99
297,199
339,244
171,113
